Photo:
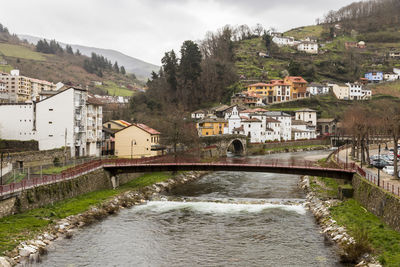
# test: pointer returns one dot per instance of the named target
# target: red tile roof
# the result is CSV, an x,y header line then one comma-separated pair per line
x,y
259,84
146,128
296,79
122,123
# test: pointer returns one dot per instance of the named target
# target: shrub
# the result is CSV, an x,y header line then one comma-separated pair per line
x,y
353,252
57,162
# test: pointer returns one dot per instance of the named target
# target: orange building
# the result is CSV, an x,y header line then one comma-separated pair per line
x,y
298,86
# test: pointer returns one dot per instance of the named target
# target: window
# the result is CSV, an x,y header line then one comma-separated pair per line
x,y
50,109
50,135
50,122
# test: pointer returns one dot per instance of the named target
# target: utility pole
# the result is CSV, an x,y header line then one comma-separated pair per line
x,y
65,146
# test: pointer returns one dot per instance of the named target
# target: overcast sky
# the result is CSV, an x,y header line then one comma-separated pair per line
x,y
145,29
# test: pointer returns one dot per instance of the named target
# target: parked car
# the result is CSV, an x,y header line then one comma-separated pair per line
x,y
389,170
379,163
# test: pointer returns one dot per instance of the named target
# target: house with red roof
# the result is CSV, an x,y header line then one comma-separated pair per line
x,y
298,86
137,141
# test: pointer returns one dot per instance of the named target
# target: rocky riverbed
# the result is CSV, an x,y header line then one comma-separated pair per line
x,y
329,227
30,251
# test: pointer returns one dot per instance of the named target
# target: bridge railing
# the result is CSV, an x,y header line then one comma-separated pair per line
x,y
166,159
391,187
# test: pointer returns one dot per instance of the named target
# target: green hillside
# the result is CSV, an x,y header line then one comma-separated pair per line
x,y
333,63
306,31
18,51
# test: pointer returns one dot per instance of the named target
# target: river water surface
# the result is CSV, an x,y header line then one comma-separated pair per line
x,y
223,219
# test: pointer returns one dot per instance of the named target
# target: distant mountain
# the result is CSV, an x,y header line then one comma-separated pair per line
x,y
139,67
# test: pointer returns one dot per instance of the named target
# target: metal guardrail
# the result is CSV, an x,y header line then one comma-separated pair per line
x,y
370,176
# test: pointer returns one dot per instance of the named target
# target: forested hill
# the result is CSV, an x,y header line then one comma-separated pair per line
x,y
52,62
367,16
139,67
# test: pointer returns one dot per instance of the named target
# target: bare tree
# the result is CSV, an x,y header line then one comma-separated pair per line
x,y
258,29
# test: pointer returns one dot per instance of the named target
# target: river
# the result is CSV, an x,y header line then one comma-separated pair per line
x,y
223,219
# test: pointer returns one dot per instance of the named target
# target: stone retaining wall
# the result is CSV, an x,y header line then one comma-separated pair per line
x,y
377,201
18,146
292,143
48,194
36,158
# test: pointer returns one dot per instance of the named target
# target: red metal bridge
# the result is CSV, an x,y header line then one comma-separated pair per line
x,y
171,163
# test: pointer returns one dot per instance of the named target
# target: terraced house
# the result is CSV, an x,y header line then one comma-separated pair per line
x,y
274,92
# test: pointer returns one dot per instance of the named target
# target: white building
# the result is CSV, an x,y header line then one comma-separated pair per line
x,y
308,115
301,130
252,128
283,41
199,114
317,89
340,91
308,47
64,119
357,92
390,77
273,129
285,125
17,122
234,121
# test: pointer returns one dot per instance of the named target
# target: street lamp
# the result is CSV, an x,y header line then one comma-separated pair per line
x,y
1,165
379,160
133,142
347,152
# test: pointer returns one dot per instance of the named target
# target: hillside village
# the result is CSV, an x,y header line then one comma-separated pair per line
x,y
77,132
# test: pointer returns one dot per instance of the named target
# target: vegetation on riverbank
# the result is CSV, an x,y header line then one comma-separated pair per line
x,y
19,227
369,231
384,241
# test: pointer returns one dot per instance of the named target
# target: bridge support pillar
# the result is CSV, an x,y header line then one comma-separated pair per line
x,y
114,181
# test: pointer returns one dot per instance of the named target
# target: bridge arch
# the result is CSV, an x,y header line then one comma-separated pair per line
x,y
236,146
220,144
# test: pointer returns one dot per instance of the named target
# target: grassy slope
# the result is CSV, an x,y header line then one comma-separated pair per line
x,y
350,214
384,240
115,90
15,228
389,88
302,32
18,51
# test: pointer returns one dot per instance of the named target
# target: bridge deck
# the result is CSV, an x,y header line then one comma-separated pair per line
x,y
118,168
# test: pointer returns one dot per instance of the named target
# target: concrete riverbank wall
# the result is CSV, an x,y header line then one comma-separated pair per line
x,y
377,201
49,194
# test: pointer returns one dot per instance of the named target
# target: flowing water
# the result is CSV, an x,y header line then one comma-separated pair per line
x,y
223,219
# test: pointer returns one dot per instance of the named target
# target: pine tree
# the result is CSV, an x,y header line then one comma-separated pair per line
x,y
115,67
78,53
170,67
123,72
69,50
